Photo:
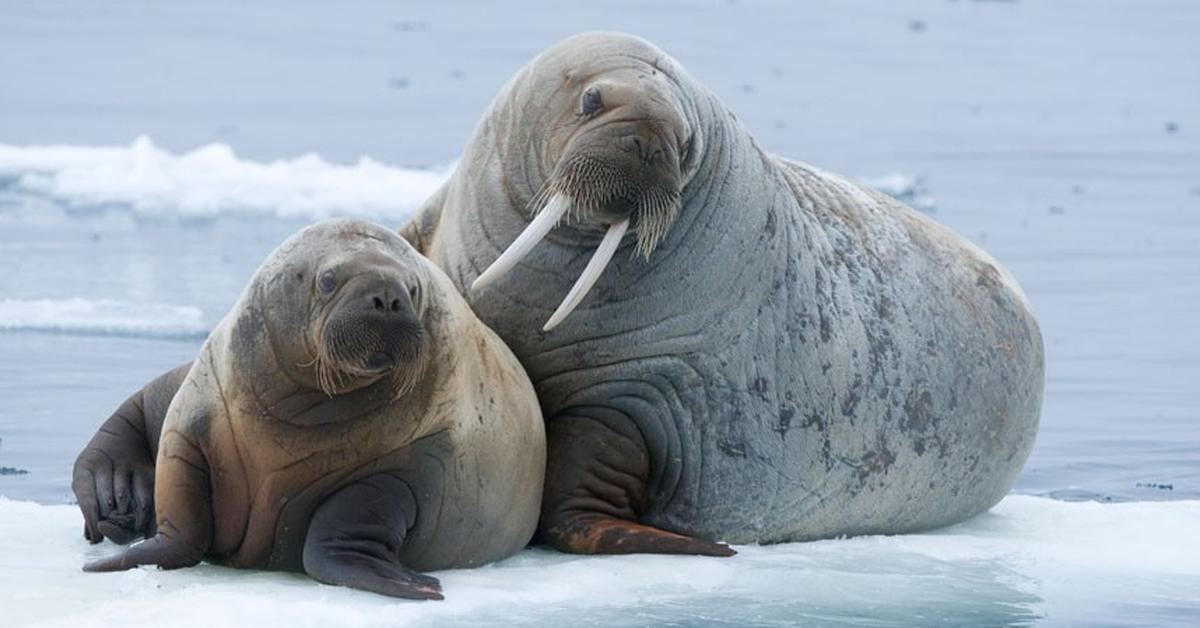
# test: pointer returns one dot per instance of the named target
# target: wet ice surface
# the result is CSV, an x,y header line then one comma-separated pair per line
x,y
1030,559
1062,137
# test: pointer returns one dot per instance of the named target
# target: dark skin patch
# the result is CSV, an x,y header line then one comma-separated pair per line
x,y
918,411
786,414
874,462
596,489
382,509
122,453
852,397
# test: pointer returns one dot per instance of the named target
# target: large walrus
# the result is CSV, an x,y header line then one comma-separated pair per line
x,y
350,418
758,350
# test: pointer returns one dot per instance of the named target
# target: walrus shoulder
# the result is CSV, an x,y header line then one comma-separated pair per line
x,y
419,230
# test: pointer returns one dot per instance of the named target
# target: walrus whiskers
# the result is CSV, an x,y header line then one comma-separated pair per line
x,y
321,370
657,213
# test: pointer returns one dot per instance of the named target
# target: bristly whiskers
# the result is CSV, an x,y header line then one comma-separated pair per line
x,y
593,185
329,379
345,347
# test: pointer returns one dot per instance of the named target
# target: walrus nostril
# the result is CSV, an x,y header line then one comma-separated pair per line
x,y
395,307
378,303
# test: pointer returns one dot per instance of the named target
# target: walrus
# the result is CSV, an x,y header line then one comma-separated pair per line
x,y
349,418
737,347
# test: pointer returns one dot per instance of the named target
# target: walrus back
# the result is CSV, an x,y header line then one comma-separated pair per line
x,y
909,397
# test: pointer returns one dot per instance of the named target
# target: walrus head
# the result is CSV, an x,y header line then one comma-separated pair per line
x,y
617,143
349,307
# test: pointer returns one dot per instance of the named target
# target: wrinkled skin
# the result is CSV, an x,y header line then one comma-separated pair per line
x,y
350,418
113,479
797,357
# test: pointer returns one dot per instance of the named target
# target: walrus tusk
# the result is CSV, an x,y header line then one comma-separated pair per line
x,y
595,267
537,229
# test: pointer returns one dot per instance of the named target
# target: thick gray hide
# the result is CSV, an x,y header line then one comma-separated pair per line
x,y
804,357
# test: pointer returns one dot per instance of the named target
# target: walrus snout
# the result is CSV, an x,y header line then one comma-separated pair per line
x,y
375,326
646,147
385,300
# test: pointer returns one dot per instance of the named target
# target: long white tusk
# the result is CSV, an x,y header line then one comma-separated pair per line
x,y
595,267
537,229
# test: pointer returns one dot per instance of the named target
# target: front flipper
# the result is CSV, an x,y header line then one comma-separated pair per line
x,y
113,479
184,505
595,488
355,537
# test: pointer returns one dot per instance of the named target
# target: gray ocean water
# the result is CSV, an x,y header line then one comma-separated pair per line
x,y
1061,136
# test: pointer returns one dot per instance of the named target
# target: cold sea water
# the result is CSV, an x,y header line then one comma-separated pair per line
x,y
151,155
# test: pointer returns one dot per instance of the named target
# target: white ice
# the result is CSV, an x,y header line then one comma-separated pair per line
x,y
1029,559
213,180
102,317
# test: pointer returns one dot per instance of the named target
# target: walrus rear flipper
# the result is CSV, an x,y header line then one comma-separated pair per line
x,y
182,495
355,538
595,488
163,551
590,533
113,478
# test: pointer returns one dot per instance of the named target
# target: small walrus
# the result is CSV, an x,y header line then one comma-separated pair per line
x,y
351,418
737,347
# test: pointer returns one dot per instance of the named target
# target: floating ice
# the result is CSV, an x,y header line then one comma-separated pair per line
x,y
209,181
1030,558
904,188
102,317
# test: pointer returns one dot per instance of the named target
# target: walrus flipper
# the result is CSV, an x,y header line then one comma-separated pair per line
x,y
185,519
355,537
595,488
113,479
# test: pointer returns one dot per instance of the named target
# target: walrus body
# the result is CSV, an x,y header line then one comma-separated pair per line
x,y
759,351
350,418
780,355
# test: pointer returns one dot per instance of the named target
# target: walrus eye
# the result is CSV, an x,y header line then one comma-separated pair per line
x,y
328,282
414,292
591,102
